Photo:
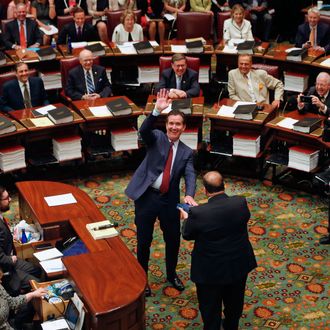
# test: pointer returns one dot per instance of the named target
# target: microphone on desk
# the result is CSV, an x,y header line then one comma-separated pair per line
x,y
291,103
223,85
110,225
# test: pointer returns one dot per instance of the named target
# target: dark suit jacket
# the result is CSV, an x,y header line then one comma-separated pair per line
x,y
76,85
6,247
309,107
12,98
248,4
153,164
322,33
88,33
222,252
189,82
157,7
11,35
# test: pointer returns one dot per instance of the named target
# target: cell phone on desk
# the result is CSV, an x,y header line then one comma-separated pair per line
x,y
43,246
183,206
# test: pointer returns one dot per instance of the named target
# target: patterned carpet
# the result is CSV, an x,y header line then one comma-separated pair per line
x,y
289,289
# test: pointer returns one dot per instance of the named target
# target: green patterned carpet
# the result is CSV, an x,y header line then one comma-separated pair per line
x,y
289,289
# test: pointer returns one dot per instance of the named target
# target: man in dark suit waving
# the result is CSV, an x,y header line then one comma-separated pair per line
x,y
87,81
23,92
155,186
22,32
180,81
222,256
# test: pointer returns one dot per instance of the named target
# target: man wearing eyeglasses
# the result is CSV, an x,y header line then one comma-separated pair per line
x,y
178,80
18,272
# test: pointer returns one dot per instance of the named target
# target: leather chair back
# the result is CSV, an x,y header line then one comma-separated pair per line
x,y
4,23
221,17
63,20
273,70
4,77
194,25
114,19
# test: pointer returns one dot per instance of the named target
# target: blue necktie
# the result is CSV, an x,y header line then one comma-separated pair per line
x,y
90,85
178,82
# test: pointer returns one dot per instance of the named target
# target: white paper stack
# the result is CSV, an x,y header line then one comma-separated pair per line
x,y
295,82
303,158
190,138
67,148
52,80
124,139
148,74
204,77
12,158
247,145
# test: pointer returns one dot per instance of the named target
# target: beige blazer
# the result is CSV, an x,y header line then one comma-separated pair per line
x,y
261,81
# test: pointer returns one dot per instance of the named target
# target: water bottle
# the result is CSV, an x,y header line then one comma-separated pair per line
x,y
24,238
69,45
53,43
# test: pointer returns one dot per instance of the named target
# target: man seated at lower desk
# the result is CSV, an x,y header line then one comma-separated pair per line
x,y
23,92
320,97
20,272
249,85
87,81
180,81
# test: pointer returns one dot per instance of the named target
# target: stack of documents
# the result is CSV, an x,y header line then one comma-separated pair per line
x,y
296,82
148,74
12,158
50,260
247,145
67,148
102,229
124,139
190,138
52,80
204,77
303,158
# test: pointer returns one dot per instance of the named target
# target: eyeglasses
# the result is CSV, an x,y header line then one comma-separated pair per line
x,y
5,199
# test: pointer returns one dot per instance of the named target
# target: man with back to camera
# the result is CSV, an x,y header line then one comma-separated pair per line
x,y
249,85
313,33
87,81
22,32
155,186
23,92
222,255
319,101
180,81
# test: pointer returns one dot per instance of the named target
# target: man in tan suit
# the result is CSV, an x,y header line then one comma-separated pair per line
x,y
246,84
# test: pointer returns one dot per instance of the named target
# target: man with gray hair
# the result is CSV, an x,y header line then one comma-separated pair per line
x,y
87,81
320,98
313,33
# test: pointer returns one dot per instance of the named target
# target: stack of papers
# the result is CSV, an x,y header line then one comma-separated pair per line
x,y
67,148
102,229
148,74
326,62
52,80
12,158
204,77
100,111
295,82
287,123
50,260
246,145
303,158
128,48
190,138
124,139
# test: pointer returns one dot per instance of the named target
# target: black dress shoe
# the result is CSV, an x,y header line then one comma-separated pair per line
x,y
147,291
325,240
177,283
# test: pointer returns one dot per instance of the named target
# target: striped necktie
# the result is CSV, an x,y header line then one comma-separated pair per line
x,y
90,84
27,99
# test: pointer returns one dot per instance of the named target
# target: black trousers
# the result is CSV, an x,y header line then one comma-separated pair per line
x,y
211,297
148,207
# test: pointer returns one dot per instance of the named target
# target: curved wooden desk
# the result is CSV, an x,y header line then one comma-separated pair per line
x,y
109,279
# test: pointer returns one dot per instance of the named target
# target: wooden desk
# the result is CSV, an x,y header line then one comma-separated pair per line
x,y
109,279
14,137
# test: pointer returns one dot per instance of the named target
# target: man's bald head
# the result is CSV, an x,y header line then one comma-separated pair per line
x,y
213,182
86,59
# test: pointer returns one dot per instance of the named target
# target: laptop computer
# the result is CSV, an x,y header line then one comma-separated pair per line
x,y
69,322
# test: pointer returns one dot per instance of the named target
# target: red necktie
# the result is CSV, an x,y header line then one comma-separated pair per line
x,y
167,171
79,35
22,39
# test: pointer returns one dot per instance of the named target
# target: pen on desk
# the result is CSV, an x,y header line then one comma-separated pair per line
x,y
111,225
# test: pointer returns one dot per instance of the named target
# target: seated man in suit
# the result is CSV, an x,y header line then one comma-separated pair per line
x,y
23,92
313,33
320,96
180,81
20,272
246,84
87,81
78,30
22,32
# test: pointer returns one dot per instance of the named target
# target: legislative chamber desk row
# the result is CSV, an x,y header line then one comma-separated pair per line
x,y
108,278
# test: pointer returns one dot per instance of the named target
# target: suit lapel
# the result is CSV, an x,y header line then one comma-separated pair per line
x,y
82,78
177,160
95,77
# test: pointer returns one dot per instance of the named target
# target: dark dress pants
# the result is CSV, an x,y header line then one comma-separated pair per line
x,y
148,207
212,296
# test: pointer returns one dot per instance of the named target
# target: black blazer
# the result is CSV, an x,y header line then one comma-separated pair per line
x,y
157,7
76,84
189,82
6,247
322,34
11,35
222,252
309,107
12,98
88,33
